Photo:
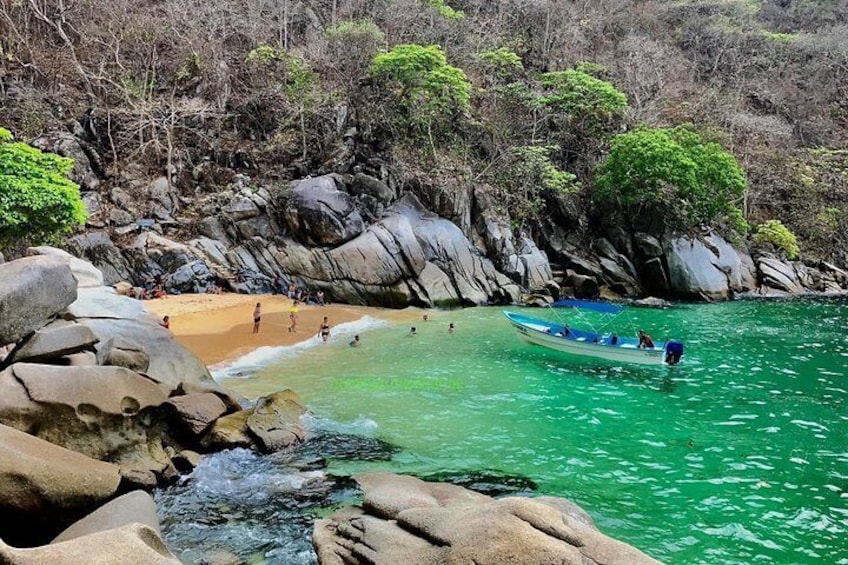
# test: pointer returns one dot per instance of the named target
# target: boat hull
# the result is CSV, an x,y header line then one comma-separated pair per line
x,y
534,331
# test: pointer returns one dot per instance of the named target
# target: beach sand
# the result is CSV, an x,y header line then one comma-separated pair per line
x,y
218,327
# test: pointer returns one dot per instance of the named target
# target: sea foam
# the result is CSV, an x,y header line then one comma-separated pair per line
x,y
247,365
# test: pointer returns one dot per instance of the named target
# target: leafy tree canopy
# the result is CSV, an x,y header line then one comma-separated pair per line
x,y
775,233
37,200
426,88
446,11
674,174
582,96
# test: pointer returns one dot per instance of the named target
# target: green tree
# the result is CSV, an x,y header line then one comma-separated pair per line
x,y
423,89
589,103
524,178
37,200
775,233
674,175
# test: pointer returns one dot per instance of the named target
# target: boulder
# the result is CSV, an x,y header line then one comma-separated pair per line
x,y
170,362
229,432
654,277
33,291
192,414
583,285
275,421
318,213
778,275
133,543
647,246
105,302
135,507
86,274
68,145
405,520
186,461
366,184
98,248
122,352
240,208
55,340
692,272
107,413
47,487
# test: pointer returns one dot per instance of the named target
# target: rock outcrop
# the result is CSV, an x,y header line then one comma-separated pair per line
x,y
272,424
47,487
125,530
405,520
33,291
107,413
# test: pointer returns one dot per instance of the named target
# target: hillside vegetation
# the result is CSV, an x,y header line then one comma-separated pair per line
x,y
533,98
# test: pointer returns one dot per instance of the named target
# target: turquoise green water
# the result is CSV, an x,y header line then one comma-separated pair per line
x,y
739,455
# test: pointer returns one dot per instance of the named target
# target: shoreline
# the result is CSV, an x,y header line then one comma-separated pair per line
x,y
218,327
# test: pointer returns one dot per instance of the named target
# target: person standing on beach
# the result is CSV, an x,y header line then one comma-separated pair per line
x,y
257,317
324,332
293,317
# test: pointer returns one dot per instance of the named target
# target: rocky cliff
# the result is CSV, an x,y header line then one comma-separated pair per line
x,y
364,238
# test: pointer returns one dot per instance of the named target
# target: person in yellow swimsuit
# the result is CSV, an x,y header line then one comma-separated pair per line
x,y
293,317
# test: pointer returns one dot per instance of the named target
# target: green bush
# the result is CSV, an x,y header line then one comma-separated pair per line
x,y
37,200
424,88
673,174
587,100
775,233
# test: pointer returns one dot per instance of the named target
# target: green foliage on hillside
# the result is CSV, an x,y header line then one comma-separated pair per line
x,y
37,200
446,11
593,102
775,233
424,88
286,89
527,175
672,173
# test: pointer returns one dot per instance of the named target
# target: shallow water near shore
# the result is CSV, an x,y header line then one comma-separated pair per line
x,y
739,455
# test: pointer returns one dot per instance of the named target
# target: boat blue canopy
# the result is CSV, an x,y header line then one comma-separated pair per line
x,y
588,305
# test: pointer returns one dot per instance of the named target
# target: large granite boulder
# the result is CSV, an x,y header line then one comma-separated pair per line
x,y
192,414
778,275
98,248
275,421
272,424
110,315
33,291
86,274
136,507
54,340
122,352
133,543
318,213
405,520
47,487
692,270
107,413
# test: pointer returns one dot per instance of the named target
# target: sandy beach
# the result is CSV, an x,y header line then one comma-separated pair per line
x,y
219,327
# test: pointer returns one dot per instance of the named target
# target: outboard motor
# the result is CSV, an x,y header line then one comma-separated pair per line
x,y
673,352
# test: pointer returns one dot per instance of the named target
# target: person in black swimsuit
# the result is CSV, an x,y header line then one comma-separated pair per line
x,y
257,317
325,329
